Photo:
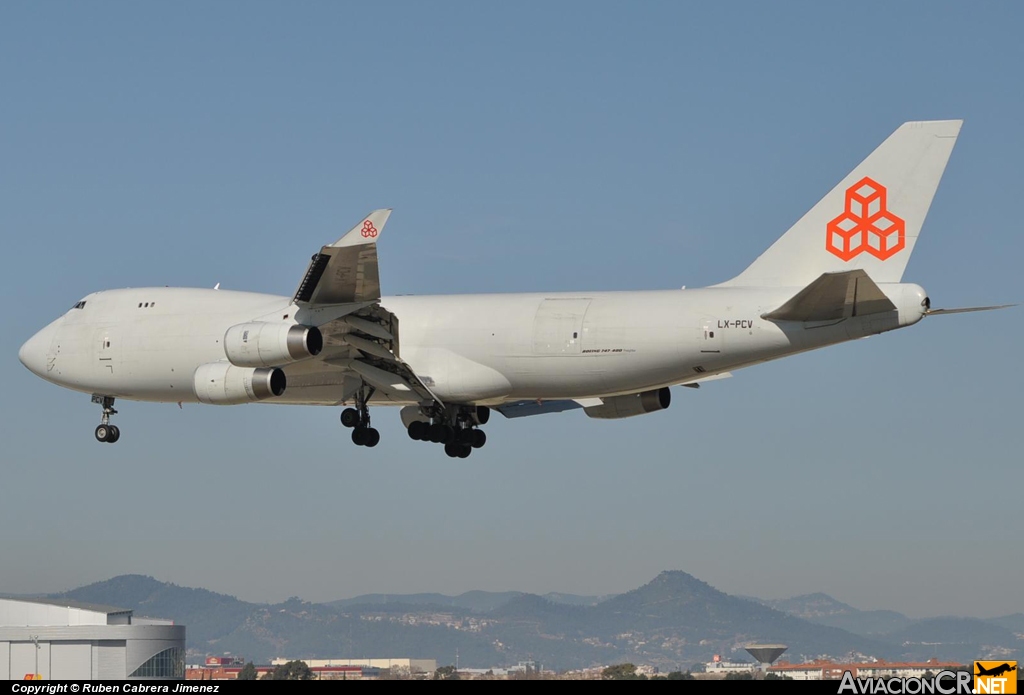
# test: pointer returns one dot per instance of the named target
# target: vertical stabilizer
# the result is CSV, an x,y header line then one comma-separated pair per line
x,y
870,220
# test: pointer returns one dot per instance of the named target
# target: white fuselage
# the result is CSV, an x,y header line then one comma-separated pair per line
x,y
146,344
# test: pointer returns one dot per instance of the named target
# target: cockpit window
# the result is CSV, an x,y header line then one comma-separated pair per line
x,y
80,305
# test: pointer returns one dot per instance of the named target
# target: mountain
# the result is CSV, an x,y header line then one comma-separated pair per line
x,y
220,624
475,601
673,621
1014,623
952,638
825,610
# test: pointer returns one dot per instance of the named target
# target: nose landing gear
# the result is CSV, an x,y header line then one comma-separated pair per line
x,y
105,432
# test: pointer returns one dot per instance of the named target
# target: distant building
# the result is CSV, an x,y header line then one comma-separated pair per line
x,y
82,641
324,673
829,670
722,668
414,666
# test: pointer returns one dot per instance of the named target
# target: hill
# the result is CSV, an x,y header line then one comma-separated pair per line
x,y
475,601
825,610
673,621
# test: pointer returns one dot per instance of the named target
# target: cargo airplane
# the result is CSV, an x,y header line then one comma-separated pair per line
x,y
448,361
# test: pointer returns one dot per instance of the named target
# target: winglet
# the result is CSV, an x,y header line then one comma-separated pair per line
x,y
367,231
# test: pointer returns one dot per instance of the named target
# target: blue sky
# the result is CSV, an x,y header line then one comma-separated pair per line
x,y
544,146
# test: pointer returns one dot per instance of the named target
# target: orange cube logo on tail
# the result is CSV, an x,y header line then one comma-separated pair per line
x,y
866,225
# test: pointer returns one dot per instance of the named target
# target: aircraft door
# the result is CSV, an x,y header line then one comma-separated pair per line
x,y
711,340
107,347
558,326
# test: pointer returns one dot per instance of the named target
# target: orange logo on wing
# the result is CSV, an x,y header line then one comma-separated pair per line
x,y
866,226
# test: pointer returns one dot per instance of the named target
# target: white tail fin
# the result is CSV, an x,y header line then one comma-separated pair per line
x,y
870,220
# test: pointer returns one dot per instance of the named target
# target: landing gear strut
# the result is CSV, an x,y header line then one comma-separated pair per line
x,y
358,419
456,428
105,432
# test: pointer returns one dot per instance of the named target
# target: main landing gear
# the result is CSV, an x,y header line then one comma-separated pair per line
x,y
457,430
105,432
358,419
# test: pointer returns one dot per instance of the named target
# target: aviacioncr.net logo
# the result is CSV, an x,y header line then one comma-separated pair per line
x,y
944,683
995,677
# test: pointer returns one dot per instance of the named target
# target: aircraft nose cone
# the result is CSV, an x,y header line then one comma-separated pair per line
x,y
33,353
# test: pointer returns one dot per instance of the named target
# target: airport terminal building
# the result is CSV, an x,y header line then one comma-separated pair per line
x,y
61,639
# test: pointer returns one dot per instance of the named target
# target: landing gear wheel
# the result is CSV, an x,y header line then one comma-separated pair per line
x,y
372,437
464,437
350,417
106,432
359,436
479,439
465,451
448,434
418,430
483,414
452,449
436,434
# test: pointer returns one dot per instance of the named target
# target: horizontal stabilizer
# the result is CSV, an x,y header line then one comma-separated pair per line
x,y
833,297
966,310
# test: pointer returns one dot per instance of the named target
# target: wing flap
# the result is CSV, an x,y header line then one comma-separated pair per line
x,y
833,297
528,408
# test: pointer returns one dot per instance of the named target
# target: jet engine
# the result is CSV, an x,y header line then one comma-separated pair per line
x,y
220,383
263,344
634,404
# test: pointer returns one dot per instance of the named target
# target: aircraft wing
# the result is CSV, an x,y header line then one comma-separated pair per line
x,y
340,294
527,408
345,272
833,297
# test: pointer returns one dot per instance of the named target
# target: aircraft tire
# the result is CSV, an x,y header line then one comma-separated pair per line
x,y
479,439
350,417
359,436
103,433
448,434
418,430
115,434
436,434
465,451
372,437
452,449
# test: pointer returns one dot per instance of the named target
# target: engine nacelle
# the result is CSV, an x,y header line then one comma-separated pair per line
x,y
634,404
220,383
263,344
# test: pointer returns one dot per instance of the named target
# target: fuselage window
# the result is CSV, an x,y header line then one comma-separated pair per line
x,y
79,305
